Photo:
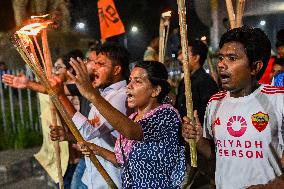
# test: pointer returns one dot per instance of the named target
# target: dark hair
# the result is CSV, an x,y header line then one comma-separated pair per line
x,y
118,55
280,35
91,43
199,48
279,61
72,54
256,44
96,46
157,75
279,44
280,38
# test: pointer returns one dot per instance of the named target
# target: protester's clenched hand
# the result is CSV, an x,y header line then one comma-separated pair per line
x,y
16,81
87,148
190,130
82,78
56,85
57,133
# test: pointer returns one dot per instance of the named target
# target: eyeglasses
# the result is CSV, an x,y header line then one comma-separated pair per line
x,y
58,67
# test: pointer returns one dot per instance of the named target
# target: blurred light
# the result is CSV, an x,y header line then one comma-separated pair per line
x,y
203,38
80,25
207,71
134,29
262,22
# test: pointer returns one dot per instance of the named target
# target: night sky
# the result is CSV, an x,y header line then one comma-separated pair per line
x,y
145,14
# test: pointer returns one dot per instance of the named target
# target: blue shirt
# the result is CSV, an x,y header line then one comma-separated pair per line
x,y
158,161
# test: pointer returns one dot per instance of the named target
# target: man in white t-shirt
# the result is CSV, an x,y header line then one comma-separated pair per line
x,y
246,121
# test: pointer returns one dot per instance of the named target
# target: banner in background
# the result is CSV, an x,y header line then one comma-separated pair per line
x,y
110,23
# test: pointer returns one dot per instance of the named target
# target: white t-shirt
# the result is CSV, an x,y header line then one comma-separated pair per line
x,y
248,134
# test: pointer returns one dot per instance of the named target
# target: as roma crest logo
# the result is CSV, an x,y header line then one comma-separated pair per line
x,y
260,121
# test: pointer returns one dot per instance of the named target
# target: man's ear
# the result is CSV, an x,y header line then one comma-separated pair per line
x,y
196,58
256,67
117,69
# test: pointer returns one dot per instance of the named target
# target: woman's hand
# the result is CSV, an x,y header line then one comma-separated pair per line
x,y
19,81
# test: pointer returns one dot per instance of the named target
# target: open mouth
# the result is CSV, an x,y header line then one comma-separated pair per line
x,y
224,77
129,96
95,76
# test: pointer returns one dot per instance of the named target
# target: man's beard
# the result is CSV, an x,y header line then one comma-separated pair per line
x,y
92,77
109,81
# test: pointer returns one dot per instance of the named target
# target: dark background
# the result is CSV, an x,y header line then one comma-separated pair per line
x,y
145,14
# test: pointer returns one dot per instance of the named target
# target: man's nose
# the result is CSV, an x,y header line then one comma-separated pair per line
x,y
221,63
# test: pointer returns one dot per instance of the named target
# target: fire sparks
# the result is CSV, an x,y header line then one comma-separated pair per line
x,y
34,28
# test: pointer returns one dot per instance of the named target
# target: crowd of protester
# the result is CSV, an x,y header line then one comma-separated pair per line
x,y
129,122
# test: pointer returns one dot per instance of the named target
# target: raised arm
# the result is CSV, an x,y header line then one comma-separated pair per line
x,y
20,81
117,120
97,150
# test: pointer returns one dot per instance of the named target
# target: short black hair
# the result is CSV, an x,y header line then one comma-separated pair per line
x,y
279,44
279,61
280,38
157,75
96,47
199,48
280,35
256,44
118,55
71,54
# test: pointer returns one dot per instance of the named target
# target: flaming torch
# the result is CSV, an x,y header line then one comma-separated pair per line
x,y
22,40
32,30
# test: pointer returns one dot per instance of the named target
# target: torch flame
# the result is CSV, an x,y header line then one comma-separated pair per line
x,y
42,16
34,28
167,14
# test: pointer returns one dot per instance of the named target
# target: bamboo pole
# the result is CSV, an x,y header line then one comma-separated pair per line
x,y
240,12
212,71
3,110
163,34
48,66
161,40
187,82
14,127
22,44
21,104
231,14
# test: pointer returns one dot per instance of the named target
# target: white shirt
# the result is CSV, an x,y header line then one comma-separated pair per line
x,y
102,134
248,134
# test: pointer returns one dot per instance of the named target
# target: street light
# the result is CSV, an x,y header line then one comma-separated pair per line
x,y
80,26
262,22
134,29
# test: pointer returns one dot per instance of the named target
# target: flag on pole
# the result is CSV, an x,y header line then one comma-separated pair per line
x,y
110,23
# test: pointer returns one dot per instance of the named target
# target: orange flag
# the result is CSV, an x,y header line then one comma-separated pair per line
x,y
110,22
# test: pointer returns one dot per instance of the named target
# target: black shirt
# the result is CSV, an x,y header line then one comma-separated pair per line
x,y
202,88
